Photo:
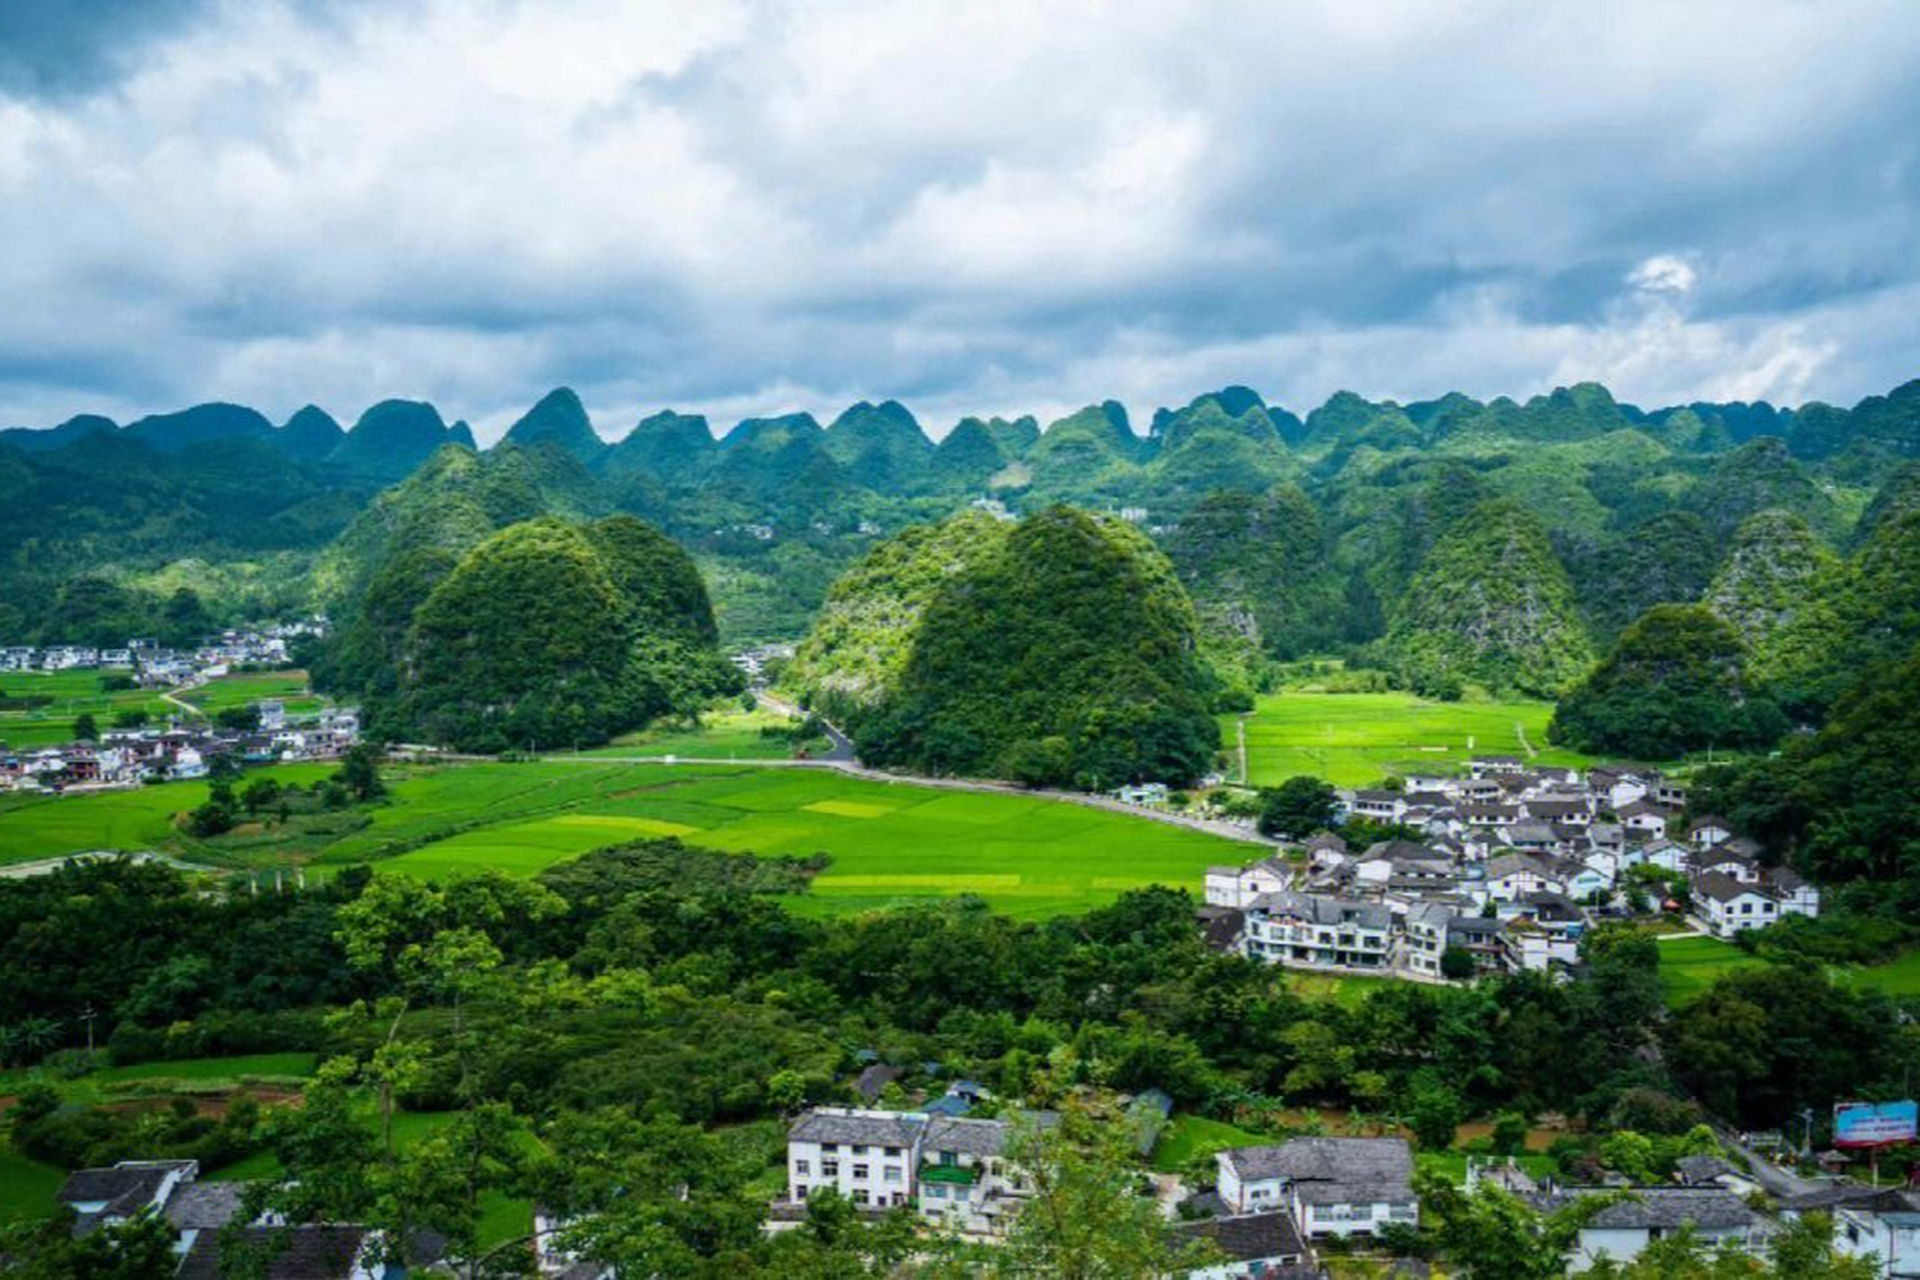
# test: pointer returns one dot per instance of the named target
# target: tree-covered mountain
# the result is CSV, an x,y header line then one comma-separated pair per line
x,y
555,634
559,419
852,660
1490,605
1676,681
1063,652
1256,566
1771,586
1637,504
881,447
392,438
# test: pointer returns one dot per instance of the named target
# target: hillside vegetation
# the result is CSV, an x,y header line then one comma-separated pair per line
x,y
1062,652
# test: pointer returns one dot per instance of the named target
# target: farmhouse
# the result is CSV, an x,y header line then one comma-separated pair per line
x,y
1730,907
1317,931
1332,1186
1622,1230
1266,1245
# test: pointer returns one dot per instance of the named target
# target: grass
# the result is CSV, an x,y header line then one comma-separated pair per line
x,y
890,843
47,826
1345,989
730,733
213,1070
1353,739
1190,1137
246,687
27,1187
1688,966
1897,977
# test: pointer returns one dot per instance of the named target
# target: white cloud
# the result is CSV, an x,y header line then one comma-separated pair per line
x,y
995,206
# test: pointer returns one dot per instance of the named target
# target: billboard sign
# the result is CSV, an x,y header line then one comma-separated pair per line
x,y
1875,1124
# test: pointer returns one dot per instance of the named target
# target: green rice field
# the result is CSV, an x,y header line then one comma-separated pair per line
x,y
43,826
1354,739
1689,965
890,842
727,734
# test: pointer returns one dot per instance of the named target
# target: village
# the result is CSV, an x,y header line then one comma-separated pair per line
x,y
186,745
1511,865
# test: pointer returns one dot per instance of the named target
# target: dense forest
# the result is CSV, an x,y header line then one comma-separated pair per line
x,y
1346,505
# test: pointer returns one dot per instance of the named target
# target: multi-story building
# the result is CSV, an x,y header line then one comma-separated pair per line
x,y
952,1169
1332,1186
1318,931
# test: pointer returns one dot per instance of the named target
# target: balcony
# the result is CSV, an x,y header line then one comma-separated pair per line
x,y
956,1175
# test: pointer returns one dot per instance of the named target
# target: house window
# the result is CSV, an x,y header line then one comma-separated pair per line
x,y
891,1173
936,1193
860,1151
893,1151
859,1195
860,1172
800,1167
830,1168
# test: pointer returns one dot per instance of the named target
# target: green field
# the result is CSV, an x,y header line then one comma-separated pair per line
x,y
75,693
890,842
727,734
1190,1136
1354,739
1690,965
1898,977
26,1187
44,826
243,688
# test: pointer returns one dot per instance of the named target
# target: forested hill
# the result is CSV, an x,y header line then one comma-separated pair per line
x,y
1340,508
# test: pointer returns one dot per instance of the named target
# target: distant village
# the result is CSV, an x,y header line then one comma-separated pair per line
x,y
1512,865
185,746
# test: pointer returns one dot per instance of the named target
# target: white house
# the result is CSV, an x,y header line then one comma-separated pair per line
x,y
1237,886
1514,874
1332,1186
867,1156
964,1177
1316,931
1884,1228
1622,1230
1729,907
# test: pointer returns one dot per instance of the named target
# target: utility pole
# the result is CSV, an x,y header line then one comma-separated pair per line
x,y
87,1015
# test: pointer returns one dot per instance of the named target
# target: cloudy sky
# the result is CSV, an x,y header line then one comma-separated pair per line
x,y
744,208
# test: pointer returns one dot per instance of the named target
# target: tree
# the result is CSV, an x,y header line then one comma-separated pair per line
x,y
84,728
1298,807
238,719
1086,1217
1435,1112
359,773
1457,964
139,1248
1494,1235
1674,682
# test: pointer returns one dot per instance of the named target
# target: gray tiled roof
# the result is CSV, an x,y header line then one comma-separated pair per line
x,y
290,1253
205,1206
1322,910
964,1136
1250,1237
1667,1208
1332,1170
873,1129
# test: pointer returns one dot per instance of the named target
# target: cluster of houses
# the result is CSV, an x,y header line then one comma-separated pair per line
x,y
156,667
202,1213
1272,1209
1512,865
132,757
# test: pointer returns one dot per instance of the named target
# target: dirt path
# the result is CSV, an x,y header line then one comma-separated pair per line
x,y
1240,734
1520,730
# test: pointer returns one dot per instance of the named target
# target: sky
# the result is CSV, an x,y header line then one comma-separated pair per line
x,y
753,208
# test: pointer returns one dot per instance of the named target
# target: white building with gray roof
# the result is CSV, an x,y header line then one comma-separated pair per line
x,y
1332,1186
